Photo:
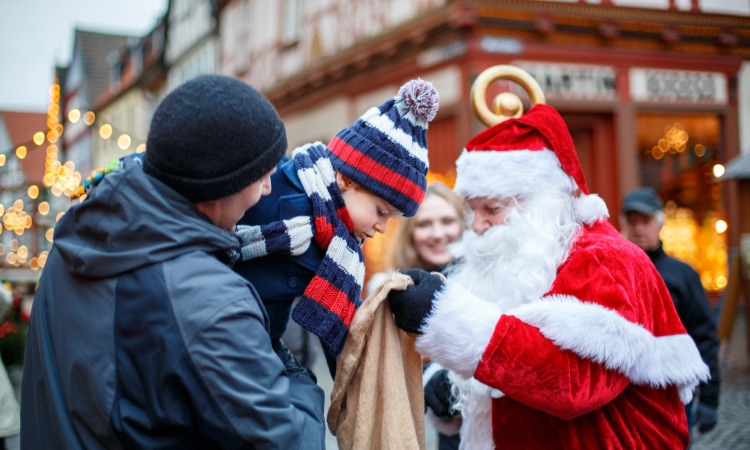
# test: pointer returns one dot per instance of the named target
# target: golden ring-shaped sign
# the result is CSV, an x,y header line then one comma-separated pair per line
x,y
506,104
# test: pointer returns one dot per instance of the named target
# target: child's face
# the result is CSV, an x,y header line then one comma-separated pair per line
x,y
369,213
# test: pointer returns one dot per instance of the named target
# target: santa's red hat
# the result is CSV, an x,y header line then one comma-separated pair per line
x,y
517,156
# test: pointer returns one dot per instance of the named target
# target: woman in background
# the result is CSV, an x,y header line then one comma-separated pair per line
x,y
422,241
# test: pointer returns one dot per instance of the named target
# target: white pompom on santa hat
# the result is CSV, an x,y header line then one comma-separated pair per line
x,y
517,156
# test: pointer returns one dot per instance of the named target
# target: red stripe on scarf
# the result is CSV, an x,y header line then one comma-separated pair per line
x,y
323,232
343,214
323,292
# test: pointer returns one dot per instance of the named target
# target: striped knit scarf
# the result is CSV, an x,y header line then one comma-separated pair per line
x,y
330,300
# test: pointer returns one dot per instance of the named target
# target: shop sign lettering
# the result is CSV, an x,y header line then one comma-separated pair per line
x,y
677,86
573,81
436,55
508,46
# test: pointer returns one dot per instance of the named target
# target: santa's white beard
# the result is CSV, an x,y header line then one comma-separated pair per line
x,y
516,263
509,265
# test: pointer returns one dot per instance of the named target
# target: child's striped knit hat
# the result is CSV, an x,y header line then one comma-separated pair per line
x,y
385,150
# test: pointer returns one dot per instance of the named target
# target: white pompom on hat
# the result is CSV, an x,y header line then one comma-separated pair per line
x,y
517,156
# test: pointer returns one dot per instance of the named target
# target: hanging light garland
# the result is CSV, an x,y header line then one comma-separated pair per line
x,y
60,178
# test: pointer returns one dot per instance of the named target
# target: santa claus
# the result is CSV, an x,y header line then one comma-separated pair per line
x,y
557,331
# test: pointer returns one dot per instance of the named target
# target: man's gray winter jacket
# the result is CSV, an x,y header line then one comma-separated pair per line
x,y
142,336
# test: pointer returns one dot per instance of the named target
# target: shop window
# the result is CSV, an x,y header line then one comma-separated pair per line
x,y
292,22
678,154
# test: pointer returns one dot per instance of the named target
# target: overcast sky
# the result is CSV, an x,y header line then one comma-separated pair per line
x,y
37,35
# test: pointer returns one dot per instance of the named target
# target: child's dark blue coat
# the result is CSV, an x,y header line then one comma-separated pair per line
x,y
280,278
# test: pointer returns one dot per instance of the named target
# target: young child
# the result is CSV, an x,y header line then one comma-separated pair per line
x,y
304,239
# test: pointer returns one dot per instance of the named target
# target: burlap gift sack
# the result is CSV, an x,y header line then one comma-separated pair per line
x,y
377,400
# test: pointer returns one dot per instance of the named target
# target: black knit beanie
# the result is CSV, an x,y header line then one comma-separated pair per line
x,y
212,137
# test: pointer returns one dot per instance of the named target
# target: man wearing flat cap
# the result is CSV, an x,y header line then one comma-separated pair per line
x,y
641,220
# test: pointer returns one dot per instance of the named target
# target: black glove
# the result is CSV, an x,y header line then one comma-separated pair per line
x,y
291,365
413,304
706,417
437,394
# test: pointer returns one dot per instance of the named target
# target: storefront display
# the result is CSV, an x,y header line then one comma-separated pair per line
x,y
678,156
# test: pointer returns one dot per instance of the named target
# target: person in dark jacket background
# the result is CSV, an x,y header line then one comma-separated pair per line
x,y
141,334
641,219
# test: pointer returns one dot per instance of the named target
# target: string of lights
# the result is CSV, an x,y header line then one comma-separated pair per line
x,y
30,207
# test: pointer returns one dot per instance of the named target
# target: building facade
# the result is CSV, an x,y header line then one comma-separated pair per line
x,y
87,77
191,44
653,92
649,90
137,79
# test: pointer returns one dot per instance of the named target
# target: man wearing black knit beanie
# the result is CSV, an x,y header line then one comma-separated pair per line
x,y
141,334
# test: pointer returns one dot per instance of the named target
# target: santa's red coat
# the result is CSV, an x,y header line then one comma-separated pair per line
x,y
601,361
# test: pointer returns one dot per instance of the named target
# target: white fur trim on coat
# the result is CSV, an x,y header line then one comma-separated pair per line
x,y
458,329
602,335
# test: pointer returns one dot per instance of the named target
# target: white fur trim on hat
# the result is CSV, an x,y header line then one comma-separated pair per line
x,y
502,174
590,208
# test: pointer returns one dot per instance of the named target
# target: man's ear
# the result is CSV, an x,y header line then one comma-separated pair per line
x,y
344,183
